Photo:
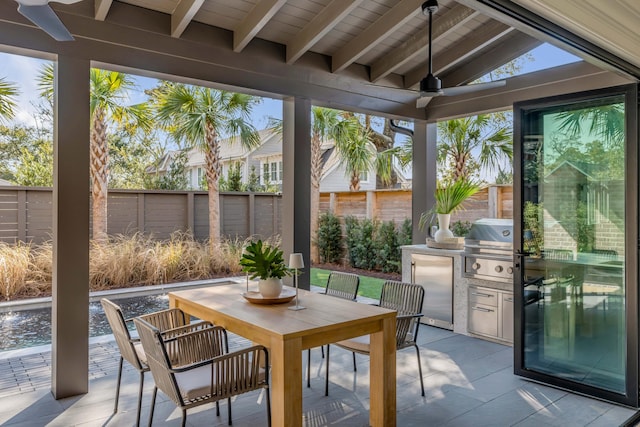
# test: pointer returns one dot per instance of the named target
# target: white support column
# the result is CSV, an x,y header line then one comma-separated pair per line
x,y
424,175
70,310
296,186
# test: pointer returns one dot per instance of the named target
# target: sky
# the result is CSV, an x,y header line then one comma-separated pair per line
x,y
24,70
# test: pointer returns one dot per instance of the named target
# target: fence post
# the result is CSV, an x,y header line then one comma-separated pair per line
x,y
332,203
141,213
190,213
371,204
22,215
492,202
251,212
276,215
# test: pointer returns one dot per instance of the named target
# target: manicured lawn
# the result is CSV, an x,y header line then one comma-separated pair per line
x,y
369,286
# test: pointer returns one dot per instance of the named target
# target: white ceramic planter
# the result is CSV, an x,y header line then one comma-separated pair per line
x,y
270,288
443,233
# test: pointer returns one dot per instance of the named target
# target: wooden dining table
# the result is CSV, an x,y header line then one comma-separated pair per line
x,y
286,333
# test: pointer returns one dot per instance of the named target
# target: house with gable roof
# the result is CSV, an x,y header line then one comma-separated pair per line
x,y
267,160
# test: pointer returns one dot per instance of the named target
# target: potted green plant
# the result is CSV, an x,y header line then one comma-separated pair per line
x,y
449,199
265,263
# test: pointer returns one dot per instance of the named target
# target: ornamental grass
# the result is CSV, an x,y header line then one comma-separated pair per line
x,y
123,261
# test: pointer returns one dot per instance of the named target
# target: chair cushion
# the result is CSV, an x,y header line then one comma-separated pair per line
x,y
358,344
195,383
137,346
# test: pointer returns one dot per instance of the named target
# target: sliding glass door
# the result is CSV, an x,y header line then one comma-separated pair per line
x,y
576,242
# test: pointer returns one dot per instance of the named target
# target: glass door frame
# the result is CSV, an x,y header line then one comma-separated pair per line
x,y
630,93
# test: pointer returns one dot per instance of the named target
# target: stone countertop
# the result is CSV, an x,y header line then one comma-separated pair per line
x,y
435,251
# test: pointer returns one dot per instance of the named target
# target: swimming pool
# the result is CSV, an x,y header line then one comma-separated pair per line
x,y
30,328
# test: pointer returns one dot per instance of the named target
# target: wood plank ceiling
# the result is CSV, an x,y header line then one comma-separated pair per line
x,y
343,53
389,37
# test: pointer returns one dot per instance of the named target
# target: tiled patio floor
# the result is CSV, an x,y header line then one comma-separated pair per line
x,y
469,382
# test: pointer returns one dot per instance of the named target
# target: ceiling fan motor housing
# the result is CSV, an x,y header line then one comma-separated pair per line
x,y
430,86
430,6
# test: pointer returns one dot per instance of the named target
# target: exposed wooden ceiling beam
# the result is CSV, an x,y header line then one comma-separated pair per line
x,y
386,24
462,50
318,27
508,48
102,8
417,44
183,14
251,25
132,40
569,78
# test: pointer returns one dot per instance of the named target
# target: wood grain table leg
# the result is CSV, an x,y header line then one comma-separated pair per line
x,y
382,387
286,382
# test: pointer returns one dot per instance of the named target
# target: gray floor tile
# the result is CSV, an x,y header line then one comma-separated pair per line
x,y
468,381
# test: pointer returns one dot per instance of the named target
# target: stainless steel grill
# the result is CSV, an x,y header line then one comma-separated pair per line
x,y
488,250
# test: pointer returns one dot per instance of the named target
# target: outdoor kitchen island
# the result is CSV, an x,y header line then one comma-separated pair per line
x,y
479,307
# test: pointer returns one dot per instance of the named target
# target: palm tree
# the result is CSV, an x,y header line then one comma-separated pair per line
x,y
462,138
357,155
8,92
199,116
605,121
109,92
326,124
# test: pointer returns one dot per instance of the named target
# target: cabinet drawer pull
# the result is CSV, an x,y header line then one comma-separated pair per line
x,y
478,294
486,310
508,299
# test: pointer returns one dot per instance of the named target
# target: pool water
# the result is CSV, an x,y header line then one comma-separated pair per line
x,y
30,328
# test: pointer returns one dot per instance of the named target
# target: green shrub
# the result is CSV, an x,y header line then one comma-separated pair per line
x,y
329,239
460,228
387,252
360,243
405,233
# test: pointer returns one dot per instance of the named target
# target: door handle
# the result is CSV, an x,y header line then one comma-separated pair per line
x,y
485,310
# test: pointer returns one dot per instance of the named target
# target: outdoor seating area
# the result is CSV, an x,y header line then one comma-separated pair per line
x,y
468,382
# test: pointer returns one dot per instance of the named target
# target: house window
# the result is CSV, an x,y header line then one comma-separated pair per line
x,y
364,176
200,178
272,172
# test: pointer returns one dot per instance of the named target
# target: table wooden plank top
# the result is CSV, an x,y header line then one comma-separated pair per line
x,y
323,314
287,332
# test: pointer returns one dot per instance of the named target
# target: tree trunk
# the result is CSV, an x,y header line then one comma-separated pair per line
x,y
384,141
354,184
99,169
212,160
316,173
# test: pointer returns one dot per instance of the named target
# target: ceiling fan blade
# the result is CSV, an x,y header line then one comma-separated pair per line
x,y
423,101
45,18
460,90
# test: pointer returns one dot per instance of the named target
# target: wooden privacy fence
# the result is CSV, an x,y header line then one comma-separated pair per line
x,y
26,213
395,205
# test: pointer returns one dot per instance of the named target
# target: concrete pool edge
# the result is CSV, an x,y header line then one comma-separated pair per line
x,y
35,303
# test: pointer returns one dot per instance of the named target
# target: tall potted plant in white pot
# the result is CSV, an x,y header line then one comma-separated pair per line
x,y
449,199
265,263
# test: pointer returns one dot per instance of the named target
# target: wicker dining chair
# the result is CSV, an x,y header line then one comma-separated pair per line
x,y
130,348
407,300
339,285
194,368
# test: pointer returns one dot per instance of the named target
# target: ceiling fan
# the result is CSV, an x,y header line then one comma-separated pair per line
x,y
431,86
40,13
